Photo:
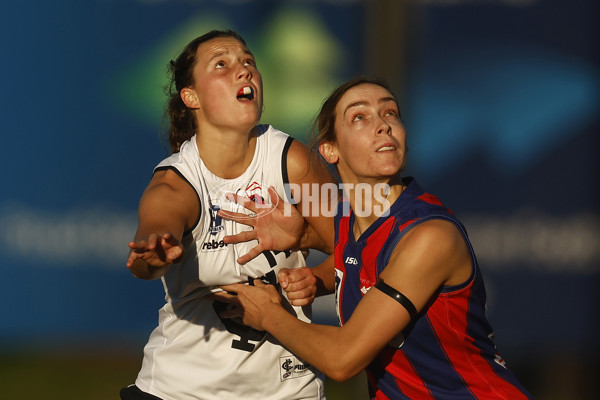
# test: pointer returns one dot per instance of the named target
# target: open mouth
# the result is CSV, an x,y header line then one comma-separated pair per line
x,y
246,93
386,148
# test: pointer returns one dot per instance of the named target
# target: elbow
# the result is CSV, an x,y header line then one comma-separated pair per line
x,y
341,374
342,369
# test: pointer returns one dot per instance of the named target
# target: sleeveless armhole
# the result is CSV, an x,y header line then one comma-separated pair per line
x,y
187,231
284,169
384,257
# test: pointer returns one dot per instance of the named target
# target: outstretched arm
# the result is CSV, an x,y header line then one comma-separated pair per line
x,y
429,256
167,207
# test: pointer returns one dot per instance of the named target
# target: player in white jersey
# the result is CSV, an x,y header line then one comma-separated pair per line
x,y
219,149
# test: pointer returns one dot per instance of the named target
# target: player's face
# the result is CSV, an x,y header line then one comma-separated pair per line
x,y
370,138
228,86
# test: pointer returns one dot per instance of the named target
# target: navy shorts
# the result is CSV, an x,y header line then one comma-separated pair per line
x,y
134,393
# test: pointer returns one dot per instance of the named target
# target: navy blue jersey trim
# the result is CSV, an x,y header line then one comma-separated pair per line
x,y
284,169
169,167
384,256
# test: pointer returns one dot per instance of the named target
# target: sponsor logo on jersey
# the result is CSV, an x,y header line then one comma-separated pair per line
x,y
216,226
216,222
254,192
290,367
213,245
351,260
499,360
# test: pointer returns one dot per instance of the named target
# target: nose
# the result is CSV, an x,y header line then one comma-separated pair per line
x,y
384,128
244,72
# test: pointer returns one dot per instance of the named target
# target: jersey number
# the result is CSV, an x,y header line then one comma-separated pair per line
x,y
245,332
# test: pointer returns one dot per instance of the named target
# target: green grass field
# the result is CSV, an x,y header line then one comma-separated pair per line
x,y
80,374
98,376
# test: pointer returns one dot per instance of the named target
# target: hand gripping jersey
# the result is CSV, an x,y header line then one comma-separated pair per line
x,y
448,351
194,354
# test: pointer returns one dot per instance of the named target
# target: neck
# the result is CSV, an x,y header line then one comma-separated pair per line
x,y
371,201
227,154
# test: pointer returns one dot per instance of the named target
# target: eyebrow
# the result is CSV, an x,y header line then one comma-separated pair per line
x,y
221,53
217,55
364,103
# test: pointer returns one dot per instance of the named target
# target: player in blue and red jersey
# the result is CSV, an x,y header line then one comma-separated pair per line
x,y
409,292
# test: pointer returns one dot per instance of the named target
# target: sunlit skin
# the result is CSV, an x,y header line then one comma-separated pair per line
x,y
370,142
225,66
370,147
227,100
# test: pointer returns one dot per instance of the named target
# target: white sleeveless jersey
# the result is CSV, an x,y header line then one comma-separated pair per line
x,y
194,354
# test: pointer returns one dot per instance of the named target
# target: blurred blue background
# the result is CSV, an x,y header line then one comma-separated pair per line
x,y
500,99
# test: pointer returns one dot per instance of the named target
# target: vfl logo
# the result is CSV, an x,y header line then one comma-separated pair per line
x,y
351,260
291,368
253,192
216,222
216,226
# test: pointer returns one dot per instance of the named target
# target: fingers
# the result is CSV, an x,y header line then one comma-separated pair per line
x,y
232,311
157,250
131,259
238,217
175,254
225,297
258,283
296,278
300,285
282,277
242,201
241,237
233,288
304,301
253,253
275,199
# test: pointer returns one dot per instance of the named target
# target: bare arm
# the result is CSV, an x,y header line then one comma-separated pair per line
x,y
305,172
167,207
429,256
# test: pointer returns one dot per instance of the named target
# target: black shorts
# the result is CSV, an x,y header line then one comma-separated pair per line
x,y
134,393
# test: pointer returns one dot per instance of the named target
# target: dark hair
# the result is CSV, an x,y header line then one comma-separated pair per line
x,y
323,129
182,122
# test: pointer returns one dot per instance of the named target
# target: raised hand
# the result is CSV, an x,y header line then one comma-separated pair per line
x,y
276,227
155,251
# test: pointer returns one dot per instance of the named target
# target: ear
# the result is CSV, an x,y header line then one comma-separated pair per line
x,y
188,95
329,152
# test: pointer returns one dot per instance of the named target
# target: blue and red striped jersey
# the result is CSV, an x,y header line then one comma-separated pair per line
x,y
448,351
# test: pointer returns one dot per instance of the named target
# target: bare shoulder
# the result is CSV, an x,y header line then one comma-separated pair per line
x,y
434,250
297,160
438,233
170,182
303,166
173,195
